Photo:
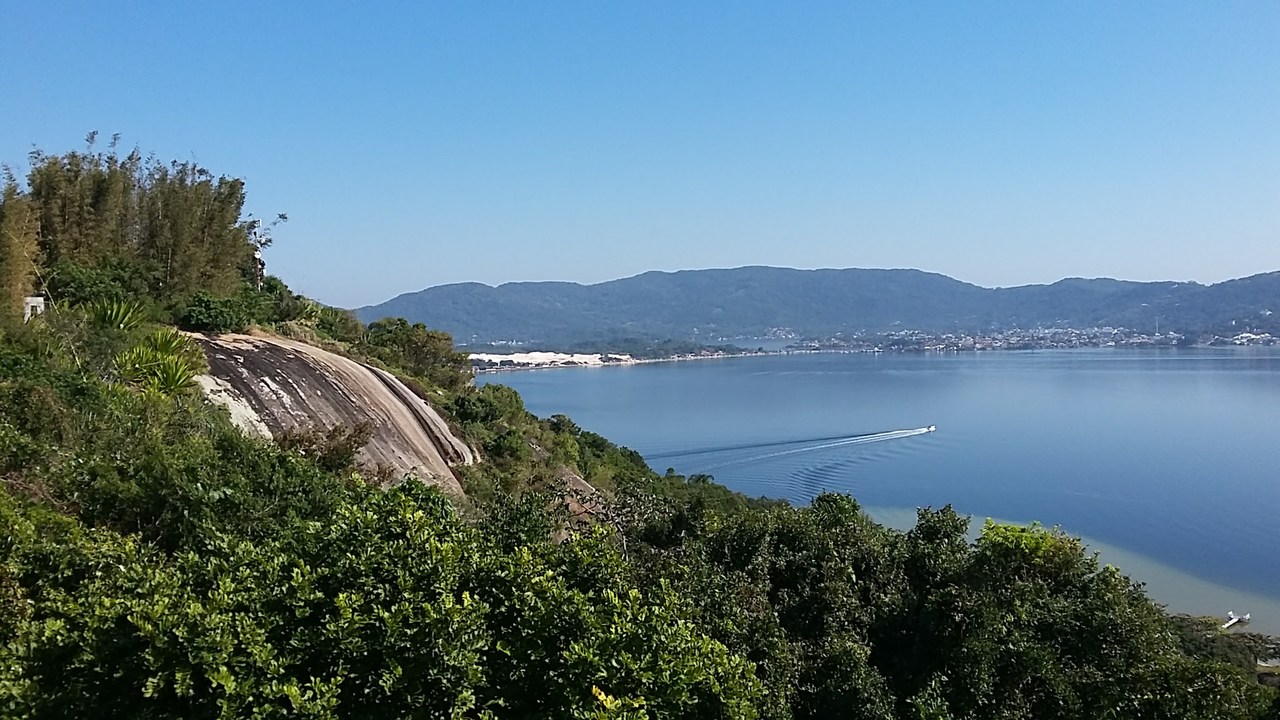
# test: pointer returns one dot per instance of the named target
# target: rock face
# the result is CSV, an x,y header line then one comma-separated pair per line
x,y
271,385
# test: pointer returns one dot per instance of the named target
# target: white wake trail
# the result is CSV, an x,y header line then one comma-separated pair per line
x,y
855,440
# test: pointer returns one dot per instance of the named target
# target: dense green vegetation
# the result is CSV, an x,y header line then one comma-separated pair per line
x,y
698,305
158,563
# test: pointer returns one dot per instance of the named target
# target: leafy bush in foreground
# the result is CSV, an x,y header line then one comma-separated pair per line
x,y
391,607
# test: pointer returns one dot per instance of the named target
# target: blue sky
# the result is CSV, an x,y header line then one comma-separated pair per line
x,y
414,144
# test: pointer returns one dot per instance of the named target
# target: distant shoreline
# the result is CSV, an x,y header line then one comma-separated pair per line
x,y
629,361
602,363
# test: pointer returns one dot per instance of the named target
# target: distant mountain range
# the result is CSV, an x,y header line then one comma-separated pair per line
x,y
751,302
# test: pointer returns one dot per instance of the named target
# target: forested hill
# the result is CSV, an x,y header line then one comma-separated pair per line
x,y
749,301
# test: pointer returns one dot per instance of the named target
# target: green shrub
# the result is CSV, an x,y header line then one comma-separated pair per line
x,y
392,607
340,325
335,449
205,313
72,283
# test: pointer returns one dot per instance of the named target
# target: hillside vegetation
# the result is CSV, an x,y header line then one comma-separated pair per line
x,y
157,563
708,305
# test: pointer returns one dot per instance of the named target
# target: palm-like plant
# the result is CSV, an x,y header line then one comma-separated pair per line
x,y
137,363
168,341
309,312
159,363
116,314
171,375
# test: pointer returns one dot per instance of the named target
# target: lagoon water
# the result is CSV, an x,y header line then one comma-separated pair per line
x,y
1167,462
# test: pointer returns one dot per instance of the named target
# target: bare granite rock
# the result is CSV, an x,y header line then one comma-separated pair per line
x,y
271,385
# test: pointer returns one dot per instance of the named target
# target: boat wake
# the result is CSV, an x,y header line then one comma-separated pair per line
x,y
749,446
808,446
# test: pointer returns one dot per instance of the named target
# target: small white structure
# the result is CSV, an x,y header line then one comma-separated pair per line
x,y
31,307
1234,619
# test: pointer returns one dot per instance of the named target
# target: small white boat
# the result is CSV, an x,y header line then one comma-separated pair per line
x,y
931,428
1233,619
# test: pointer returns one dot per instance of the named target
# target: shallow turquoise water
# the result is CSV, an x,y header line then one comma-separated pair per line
x,y
1169,459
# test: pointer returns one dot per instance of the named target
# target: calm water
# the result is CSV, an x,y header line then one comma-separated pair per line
x,y
1167,462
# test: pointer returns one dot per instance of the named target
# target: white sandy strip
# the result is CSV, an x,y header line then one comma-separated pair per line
x,y
540,359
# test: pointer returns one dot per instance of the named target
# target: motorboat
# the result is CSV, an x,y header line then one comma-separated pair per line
x,y
932,428
1234,619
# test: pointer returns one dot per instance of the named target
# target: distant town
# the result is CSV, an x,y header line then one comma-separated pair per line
x,y
894,341
1035,339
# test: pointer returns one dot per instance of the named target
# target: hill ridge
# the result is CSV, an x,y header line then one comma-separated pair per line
x,y
749,301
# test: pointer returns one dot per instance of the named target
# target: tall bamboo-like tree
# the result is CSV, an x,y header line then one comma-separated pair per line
x,y
191,236
176,227
87,202
19,250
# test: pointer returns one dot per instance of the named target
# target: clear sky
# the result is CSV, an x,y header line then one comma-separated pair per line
x,y
414,144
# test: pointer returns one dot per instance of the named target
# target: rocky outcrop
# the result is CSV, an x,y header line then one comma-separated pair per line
x,y
272,385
